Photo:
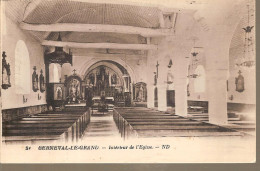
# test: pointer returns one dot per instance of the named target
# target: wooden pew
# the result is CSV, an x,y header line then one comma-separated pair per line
x,y
149,123
66,126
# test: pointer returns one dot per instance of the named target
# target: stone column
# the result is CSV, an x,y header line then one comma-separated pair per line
x,y
181,96
180,65
217,67
217,96
162,98
161,82
218,30
150,95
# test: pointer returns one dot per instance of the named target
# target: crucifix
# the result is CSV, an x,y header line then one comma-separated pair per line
x,y
157,65
74,72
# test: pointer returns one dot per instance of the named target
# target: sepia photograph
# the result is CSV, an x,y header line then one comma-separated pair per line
x,y
128,81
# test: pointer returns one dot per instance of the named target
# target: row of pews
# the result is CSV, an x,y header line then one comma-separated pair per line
x,y
58,126
235,121
144,122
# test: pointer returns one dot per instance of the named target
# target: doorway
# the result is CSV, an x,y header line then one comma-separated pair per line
x,y
155,97
171,98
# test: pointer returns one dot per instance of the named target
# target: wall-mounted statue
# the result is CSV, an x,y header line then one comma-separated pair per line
x,y
155,79
240,82
42,84
35,80
5,73
140,93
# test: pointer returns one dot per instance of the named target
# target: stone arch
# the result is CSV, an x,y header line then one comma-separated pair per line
x,y
111,66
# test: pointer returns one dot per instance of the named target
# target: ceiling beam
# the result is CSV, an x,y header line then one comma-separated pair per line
x,y
61,27
99,45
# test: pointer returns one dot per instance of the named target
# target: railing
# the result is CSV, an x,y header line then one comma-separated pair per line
x,y
125,128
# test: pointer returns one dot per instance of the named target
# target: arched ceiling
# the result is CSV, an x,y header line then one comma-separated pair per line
x,y
86,12
54,11
66,11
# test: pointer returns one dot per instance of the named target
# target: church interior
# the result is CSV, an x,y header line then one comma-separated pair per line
x,y
81,69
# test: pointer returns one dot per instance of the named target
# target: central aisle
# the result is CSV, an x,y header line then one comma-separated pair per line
x,y
101,127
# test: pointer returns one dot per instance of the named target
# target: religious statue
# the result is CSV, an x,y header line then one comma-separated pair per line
x,y
140,95
74,90
35,80
140,92
42,84
240,82
155,78
5,73
114,79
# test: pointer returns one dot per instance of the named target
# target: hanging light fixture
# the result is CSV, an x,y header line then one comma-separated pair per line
x,y
248,57
59,56
194,61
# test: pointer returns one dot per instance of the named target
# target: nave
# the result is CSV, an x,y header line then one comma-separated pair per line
x,y
78,71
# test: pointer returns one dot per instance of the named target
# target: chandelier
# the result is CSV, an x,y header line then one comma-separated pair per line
x,y
248,56
59,56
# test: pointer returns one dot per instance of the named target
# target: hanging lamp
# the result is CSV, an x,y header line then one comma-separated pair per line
x,y
248,57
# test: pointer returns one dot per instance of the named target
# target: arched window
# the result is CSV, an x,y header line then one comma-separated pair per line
x,y
200,81
22,68
54,73
56,77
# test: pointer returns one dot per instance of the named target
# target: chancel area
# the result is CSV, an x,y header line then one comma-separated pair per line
x,y
78,69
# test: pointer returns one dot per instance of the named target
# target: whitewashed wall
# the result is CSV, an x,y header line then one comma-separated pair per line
x,y
9,97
